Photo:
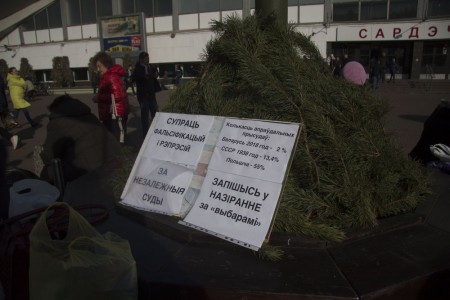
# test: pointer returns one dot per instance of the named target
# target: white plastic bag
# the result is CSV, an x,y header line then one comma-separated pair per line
x,y
115,116
29,194
441,151
79,263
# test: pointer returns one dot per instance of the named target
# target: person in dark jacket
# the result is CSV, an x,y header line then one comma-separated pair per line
x,y
147,85
178,74
376,74
78,139
129,80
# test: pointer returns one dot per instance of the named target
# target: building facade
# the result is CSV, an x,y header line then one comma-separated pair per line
x,y
414,32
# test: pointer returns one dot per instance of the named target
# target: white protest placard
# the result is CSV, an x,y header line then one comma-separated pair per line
x,y
240,193
166,162
254,148
158,186
237,208
178,138
223,175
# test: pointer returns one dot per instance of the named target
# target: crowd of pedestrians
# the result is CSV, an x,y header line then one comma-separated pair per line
x,y
377,68
83,140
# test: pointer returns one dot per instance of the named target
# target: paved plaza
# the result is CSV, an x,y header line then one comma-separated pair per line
x,y
405,258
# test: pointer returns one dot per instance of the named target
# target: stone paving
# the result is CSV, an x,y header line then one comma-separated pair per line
x,y
405,258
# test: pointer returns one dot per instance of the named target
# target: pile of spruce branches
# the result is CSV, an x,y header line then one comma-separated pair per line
x,y
347,170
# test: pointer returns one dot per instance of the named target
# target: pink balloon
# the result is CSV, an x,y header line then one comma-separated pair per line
x,y
354,72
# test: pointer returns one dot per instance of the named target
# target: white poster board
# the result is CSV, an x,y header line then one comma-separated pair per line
x,y
255,149
166,162
236,208
243,183
223,176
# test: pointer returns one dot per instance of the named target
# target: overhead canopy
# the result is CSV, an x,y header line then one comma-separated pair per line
x,y
14,12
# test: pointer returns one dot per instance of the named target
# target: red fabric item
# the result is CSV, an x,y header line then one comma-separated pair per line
x,y
354,72
112,83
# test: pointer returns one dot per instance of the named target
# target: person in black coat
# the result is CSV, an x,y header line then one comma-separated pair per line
x,y
78,139
3,99
145,77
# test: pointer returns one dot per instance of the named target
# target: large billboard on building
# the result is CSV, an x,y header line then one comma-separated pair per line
x,y
122,34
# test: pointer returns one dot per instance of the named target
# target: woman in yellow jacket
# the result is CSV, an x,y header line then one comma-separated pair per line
x,y
17,87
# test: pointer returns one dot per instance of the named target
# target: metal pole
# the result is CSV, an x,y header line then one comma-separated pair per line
x,y
59,177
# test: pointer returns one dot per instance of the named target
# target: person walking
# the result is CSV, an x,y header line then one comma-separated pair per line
x,y
345,60
384,66
178,74
393,69
147,85
376,75
337,67
4,113
111,85
129,80
17,87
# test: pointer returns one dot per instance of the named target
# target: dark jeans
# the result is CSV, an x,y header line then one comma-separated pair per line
x,y
148,105
26,113
130,85
392,77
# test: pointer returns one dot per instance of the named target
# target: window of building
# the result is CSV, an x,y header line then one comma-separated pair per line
x,y
402,9
188,7
310,2
73,13
43,75
345,10
104,8
373,9
28,24
145,6
80,74
434,55
162,8
230,4
127,6
88,12
292,2
438,8
40,19
54,15
208,5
